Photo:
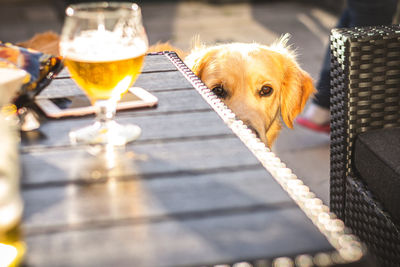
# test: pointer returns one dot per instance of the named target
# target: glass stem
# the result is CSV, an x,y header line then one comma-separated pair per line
x,y
105,112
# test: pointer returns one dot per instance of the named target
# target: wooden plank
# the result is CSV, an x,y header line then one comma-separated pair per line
x,y
63,74
139,160
154,127
178,101
187,100
55,131
60,88
177,242
157,81
140,200
152,63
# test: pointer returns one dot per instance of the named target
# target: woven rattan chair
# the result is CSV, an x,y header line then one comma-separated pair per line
x,y
365,95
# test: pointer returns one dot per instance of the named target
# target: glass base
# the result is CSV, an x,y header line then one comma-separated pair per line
x,y
110,133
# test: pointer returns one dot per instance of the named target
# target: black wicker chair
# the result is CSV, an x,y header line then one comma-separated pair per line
x,y
365,97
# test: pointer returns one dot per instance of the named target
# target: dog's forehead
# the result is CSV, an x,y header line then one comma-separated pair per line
x,y
239,50
249,53
252,63
254,59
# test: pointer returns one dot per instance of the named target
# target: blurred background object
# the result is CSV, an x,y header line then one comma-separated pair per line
x,y
12,248
11,80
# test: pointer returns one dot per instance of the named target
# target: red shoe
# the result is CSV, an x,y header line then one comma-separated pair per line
x,y
321,128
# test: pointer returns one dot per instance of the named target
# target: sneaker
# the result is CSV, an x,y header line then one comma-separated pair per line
x,y
322,128
315,118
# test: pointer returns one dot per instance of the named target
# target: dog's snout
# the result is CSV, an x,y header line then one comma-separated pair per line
x,y
253,129
257,132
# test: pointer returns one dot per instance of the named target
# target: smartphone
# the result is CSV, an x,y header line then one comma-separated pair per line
x,y
79,105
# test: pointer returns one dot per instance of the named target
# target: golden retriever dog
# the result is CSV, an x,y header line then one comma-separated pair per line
x,y
263,85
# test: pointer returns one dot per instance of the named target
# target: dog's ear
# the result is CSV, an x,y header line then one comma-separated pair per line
x,y
166,46
199,59
297,87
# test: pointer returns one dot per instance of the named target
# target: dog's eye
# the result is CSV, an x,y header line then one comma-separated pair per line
x,y
219,91
266,90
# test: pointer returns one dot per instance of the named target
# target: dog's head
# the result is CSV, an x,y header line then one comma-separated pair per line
x,y
260,84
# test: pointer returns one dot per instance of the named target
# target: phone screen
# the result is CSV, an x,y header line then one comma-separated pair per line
x,y
80,101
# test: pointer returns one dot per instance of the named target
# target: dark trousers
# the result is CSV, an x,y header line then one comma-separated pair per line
x,y
357,13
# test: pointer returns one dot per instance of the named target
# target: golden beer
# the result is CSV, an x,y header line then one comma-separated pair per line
x,y
104,79
12,248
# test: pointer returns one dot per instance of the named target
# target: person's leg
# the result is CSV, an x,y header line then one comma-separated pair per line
x,y
357,13
317,115
323,85
371,12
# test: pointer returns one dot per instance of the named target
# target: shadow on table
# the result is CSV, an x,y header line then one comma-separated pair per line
x,y
179,212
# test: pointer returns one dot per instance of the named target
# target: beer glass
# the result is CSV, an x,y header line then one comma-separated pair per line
x,y
103,45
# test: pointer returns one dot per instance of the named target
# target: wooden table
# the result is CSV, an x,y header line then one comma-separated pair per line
x,y
189,192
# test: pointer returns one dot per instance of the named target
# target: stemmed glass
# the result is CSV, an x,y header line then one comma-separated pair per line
x,y
103,45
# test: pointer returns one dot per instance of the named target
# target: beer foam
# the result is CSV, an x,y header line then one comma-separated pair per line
x,y
102,46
